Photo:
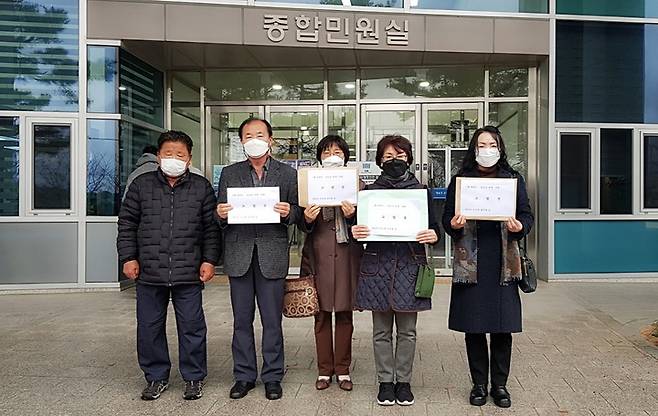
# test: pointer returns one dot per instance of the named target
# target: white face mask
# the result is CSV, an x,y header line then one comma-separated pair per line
x,y
487,156
173,167
256,148
333,161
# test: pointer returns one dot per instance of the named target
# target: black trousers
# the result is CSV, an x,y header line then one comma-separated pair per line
x,y
497,357
245,291
152,349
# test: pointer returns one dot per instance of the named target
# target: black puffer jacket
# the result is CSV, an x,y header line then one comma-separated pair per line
x,y
170,231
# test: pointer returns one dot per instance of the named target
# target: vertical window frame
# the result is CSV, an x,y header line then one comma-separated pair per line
x,y
594,168
641,165
30,123
633,177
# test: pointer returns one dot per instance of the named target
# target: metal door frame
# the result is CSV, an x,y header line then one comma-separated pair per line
x,y
425,159
298,108
207,150
365,108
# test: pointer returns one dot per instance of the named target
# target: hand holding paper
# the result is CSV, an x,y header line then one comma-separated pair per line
x,y
259,205
393,215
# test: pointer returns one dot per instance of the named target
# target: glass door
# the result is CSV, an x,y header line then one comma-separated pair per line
x,y
378,120
222,138
447,129
296,131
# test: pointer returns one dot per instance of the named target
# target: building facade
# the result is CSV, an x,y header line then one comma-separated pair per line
x,y
572,85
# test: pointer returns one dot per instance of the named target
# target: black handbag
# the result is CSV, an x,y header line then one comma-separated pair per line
x,y
528,282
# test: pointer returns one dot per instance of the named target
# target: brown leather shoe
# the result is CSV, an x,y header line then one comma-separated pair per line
x,y
346,385
322,384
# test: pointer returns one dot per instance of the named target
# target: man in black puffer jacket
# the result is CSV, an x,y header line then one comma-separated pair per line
x,y
169,243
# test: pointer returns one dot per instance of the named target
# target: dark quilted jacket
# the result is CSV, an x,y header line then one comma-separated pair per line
x,y
387,279
170,231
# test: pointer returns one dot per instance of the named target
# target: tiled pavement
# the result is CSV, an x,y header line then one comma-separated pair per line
x,y
580,354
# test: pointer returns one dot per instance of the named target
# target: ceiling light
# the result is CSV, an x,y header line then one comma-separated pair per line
x,y
350,86
122,88
424,84
277,87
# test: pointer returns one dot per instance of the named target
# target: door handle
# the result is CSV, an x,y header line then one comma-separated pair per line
x,y
417,166
424,167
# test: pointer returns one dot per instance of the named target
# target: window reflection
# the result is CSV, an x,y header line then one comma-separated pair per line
x,y
423,82
102,79
52,167
103,184
9,166
40,46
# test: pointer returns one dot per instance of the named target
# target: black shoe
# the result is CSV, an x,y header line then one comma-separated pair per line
x,y
386,396
403,394
478,395
501,396
193,390
154,389
240,389
273,390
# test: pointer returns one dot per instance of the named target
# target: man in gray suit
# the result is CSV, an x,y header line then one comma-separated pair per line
x,y
256,260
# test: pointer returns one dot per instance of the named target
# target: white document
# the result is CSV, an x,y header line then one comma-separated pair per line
x,y
393,215
253,205
486,198
329,187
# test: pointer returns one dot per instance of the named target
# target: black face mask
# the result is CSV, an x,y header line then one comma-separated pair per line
x,y
395,167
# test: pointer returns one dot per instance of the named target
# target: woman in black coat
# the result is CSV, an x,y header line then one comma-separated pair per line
x,y
486,269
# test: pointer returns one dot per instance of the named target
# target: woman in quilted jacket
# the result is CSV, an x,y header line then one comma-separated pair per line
x,y
387,280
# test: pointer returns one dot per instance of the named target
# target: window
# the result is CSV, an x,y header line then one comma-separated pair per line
x,y
625,8
575,170
265,85
342,84
437,82
9,166
141,90
605,72
103,197
365,3
523,6
508,82
102,88
39,55
51,152
133,138
616,181
650,171
186,110
342,122
512,120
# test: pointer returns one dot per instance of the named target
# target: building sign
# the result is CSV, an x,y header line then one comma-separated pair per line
x,y
336,30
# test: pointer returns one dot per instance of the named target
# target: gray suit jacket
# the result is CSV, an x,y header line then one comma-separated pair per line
x,y
271,239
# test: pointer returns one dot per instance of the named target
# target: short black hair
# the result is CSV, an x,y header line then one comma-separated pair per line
x,y
149,148
252,119
398,142
329,140
175,136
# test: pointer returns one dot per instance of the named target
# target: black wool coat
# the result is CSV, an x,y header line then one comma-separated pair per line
x,y
169,230
487,307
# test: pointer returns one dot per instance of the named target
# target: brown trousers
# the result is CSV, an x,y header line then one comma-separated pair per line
x,y
334,357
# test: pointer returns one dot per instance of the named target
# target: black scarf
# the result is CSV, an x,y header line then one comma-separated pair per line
x,y
406,181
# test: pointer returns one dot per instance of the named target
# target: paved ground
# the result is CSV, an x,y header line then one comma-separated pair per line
x,y
580,354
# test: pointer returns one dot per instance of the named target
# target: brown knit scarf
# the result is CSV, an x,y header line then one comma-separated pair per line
x,y
466,253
